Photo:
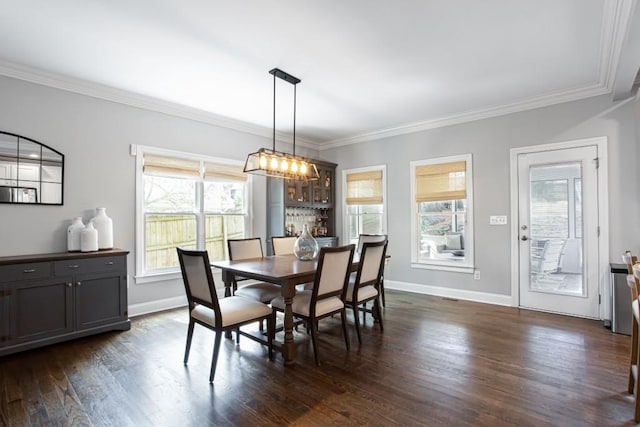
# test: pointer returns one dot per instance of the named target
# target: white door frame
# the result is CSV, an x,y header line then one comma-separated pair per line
x,y
603,217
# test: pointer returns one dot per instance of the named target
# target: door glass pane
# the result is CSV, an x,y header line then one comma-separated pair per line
x,y
556,235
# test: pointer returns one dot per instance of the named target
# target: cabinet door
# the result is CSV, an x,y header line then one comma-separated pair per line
x,y
323,188
39,309
99,300
4,316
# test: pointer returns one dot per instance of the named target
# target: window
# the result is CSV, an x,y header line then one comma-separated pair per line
x,y
365,202
442,223
187,201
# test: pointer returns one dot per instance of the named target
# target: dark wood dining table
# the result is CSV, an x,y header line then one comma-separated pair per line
x,y
284,270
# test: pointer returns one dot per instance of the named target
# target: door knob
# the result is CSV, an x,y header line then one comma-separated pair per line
x,y
524,238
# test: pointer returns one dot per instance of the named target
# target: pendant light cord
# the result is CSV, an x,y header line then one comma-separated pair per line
x,y
274,112
294,119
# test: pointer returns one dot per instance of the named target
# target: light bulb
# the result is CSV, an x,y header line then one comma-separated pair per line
x,y
294,167
274,163
284,165
263,162
303,168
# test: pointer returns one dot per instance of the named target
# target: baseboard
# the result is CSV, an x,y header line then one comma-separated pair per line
x,y
157,305
483,297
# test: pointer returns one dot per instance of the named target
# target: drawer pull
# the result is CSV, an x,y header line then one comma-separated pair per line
x,y
79,284
73,266
108,263
31,270
69,284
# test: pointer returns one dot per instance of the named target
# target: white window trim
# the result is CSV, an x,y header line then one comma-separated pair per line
x,y
138,151
345,215
469,264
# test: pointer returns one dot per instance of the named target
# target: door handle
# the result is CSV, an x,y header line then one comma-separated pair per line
x,y
524,238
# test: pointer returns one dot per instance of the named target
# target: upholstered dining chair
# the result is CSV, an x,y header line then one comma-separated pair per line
x,y
633,280
634,285
283,245
366,238
240,249
365,286
328,294
219,315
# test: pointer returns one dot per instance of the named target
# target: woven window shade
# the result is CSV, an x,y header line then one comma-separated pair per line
x,y
170,165
444,181
225,172
364,188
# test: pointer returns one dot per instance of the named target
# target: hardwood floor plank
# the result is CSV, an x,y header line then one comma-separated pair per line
x,y
438,363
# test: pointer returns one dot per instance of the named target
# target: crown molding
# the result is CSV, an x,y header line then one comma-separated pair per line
x,y
480,114
108,93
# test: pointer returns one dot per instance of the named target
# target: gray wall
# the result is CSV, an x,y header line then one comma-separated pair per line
x,y
95,135
489,141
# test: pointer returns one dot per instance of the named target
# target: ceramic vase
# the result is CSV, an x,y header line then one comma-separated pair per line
x,y
104,226
89,238
73,234
306,247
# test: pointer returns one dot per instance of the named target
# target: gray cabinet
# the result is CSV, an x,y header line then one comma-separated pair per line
x,y
291,204
51,298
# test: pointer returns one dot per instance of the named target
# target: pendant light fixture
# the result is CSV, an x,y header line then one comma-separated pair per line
x,y
269,162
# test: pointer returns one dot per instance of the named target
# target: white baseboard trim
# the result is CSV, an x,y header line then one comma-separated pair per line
x,y
483,297
157,305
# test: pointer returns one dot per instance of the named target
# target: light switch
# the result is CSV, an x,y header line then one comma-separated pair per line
x,y
498,220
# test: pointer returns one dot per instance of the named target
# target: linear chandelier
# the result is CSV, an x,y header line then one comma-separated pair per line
x,y
269,162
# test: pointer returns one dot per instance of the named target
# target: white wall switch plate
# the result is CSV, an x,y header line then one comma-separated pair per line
x,y
498,220
476,275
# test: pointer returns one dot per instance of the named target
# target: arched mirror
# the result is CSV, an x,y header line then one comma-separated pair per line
x,y
30,172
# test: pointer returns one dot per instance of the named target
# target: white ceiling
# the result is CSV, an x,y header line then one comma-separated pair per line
x,y
369,68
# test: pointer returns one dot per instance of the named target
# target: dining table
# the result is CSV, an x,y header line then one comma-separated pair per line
x,y
284,270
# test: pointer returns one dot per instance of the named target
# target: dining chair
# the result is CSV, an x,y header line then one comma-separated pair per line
x,y
328,294
633,280
219,315
241,249
365,286
365,238
283,245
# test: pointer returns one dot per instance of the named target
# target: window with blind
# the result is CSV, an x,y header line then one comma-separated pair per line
x,y
189,202
365,207
442,223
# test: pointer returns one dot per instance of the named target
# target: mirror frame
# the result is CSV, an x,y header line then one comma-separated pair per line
x,y
40,181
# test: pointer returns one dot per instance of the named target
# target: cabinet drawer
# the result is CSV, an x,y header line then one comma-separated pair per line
x,y
90,265
34,270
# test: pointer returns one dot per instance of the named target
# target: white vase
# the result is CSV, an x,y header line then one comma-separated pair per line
x,y
306,247
89,238
73,234
104,225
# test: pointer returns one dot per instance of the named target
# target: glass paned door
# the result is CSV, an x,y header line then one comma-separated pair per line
x,y
558,221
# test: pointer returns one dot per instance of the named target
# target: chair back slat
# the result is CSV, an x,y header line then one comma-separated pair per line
x,y
240,249
283,245
332,274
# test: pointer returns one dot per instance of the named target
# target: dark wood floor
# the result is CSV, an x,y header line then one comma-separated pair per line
x,y
438,362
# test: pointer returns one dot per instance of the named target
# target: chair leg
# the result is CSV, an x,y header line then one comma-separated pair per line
x,y
271,329
343,317
364,314
356,319
216,351
633,357
189,337
237,336
314,339
376,306
384,301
